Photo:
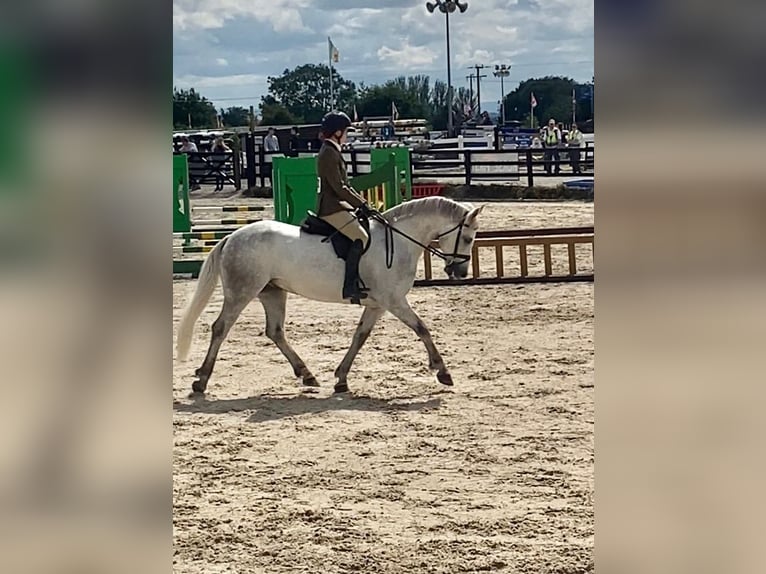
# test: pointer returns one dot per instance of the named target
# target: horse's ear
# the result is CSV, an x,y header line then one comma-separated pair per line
x,y
470,219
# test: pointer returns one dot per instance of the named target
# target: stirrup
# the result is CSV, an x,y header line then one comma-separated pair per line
x,y
356,295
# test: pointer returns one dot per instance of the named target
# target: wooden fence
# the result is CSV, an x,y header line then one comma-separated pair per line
x,y
208,167
476,164
521,240
460,166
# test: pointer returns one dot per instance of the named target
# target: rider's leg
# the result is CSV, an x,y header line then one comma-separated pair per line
x,y
348,225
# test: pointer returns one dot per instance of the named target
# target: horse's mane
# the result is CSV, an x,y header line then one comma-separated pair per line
x,y
427,205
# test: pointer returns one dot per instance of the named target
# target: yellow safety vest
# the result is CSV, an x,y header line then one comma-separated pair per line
x,y
551,136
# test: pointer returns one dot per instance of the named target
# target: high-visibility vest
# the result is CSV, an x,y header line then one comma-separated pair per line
x,y
551,136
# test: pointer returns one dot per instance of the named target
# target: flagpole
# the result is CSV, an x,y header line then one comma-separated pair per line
x,y
329,52
574,107
531,115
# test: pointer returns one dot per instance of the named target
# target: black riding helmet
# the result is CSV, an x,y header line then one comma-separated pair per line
x,y
335,121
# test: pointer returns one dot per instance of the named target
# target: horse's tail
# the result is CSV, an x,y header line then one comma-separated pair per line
x,y
208,279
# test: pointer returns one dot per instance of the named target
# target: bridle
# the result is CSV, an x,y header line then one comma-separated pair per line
x,y
451,258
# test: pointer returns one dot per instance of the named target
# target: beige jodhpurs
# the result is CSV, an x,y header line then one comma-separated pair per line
x,y
348,225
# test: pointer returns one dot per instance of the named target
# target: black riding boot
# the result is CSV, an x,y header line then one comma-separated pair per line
x,y
351,289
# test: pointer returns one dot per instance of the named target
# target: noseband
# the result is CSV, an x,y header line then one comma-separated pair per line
x,y
454,256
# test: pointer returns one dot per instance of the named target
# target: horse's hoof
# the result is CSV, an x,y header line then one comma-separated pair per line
x,y
196,395
310,382
199,387
444,378
341,388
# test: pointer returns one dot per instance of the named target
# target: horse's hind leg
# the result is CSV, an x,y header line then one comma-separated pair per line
x,y
274,301
232,307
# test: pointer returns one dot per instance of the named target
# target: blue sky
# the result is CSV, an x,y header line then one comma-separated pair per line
x,y
227,48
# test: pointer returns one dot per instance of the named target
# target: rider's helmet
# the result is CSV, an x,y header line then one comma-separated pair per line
x,y
335,121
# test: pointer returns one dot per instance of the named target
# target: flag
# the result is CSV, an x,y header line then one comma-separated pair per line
x,y
356,116
534,101
334,54
394,111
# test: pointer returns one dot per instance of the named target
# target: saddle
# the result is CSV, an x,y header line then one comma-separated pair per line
x,y
313,225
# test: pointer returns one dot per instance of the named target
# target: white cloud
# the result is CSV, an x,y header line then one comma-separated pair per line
x,y
259,39
468,57
406,57
283,15
237,80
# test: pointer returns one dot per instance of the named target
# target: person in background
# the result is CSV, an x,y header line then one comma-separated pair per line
x,y
551,136
576,141
190,147
294,143
218,158
270,146
485,119
388,131
187,146
270,142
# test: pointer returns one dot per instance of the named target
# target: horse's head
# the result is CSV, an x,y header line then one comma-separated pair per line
x,y
457,243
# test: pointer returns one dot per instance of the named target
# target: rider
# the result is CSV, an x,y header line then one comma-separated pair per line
x,y
337,199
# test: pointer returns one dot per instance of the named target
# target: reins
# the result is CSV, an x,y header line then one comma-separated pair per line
x,y
389,240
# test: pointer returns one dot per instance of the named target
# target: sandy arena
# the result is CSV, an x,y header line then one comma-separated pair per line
x,y
403,474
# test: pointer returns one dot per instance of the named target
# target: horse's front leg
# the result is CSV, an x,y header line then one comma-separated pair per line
x,y
402,311
363,330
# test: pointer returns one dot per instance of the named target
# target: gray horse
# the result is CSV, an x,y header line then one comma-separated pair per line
x,y
269,259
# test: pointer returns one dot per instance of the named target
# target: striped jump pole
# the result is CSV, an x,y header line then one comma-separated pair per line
x,y
193,248
224,222
206,235
228,208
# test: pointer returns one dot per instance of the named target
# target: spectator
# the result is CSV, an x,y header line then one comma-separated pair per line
x,y
219,161
270,142
576,141
485,119
271,147
388,131
551,136
294,143
187,146
190,147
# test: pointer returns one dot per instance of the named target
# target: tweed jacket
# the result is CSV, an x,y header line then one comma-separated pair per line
x,y
333,181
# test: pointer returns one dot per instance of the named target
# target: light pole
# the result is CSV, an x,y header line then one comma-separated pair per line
x,y
502,71
446,7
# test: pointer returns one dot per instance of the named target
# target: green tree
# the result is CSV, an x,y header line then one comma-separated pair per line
x,y
438,105
377,100
189,104
553,95
235,116
416,88
273,114
464,106
305,92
